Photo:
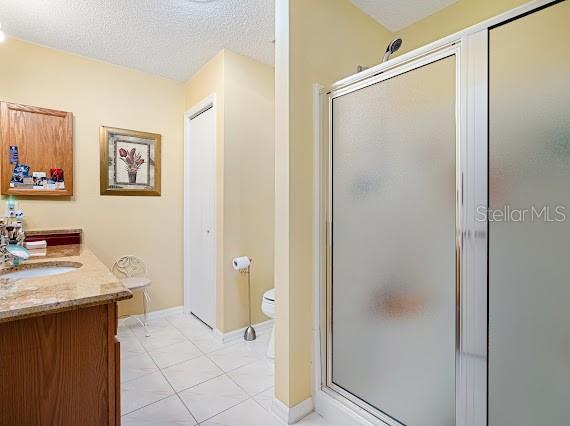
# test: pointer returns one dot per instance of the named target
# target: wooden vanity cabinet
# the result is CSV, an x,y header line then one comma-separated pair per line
x,y
61,368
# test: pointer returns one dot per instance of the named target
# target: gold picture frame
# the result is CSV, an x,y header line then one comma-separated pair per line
x,y
129,162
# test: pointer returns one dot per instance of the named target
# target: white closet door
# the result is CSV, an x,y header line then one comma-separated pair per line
x,y
202,216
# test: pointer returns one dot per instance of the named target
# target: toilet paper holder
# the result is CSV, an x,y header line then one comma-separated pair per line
x,y
242,264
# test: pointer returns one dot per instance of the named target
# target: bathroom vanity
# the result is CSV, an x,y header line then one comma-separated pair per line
x,y
59,355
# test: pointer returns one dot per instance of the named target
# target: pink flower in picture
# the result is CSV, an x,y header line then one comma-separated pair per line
x,y
133,160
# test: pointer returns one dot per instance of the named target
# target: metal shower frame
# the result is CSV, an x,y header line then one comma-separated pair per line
x,y
470,48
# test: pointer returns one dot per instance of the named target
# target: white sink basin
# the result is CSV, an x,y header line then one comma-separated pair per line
x,y
43,271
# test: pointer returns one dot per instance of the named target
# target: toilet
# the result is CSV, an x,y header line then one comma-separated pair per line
x,y
268,308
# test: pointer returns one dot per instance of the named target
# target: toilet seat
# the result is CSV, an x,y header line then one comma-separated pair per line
x,y
269,296
268,303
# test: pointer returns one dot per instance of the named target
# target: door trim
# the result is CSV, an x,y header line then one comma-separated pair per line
x,y
202,106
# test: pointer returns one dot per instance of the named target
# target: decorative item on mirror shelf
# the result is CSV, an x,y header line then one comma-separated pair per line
x,y
14,158
20,173
38,181
56,177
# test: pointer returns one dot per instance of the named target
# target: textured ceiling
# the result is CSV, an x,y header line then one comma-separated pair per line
x,y
398,14
170,38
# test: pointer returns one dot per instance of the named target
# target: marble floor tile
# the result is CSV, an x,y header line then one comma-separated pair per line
x,y
130,346
235,356
189,325
265,398
212,397
137,366
255,377
183,374
313,419
154,326
143,391
191,373
248,413
162,339
166,412
259,345
174,354
206,342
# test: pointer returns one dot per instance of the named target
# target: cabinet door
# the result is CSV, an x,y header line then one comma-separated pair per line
x,y
59,369
44,138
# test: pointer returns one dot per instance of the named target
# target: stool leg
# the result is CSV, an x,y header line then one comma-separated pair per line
x,y
146,302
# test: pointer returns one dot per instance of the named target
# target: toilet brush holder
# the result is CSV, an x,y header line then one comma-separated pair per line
x,y
249,334
243,265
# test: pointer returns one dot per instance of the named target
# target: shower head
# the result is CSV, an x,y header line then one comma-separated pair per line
x,y
392,47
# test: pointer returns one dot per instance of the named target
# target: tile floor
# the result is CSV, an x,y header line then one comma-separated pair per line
x,y
183,375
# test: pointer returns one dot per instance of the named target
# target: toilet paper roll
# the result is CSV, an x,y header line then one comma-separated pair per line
x,y
242,262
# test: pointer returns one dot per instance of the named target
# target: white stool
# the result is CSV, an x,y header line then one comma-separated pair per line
x,y
133,273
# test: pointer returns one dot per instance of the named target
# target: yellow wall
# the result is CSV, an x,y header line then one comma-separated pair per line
x,y
244,91
249,146
453,18
102,94
318,41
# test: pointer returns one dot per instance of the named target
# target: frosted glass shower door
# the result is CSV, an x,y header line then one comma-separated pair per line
x,y
529,239
393,273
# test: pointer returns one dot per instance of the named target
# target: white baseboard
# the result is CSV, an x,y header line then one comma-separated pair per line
x,y
161,313
291,415
341,414
234,335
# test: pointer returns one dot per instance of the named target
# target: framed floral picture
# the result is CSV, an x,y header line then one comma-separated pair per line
x,y
130,162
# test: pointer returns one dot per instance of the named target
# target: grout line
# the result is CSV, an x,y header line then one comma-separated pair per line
x,y
205,354
187,408
235,368
146,405
197,384
233,380
271,413
180,362
166,379
226,409
238,385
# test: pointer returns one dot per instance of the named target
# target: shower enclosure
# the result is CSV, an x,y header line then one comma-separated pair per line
x,y
446,175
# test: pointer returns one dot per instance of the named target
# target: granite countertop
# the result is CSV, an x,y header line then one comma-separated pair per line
x,y
88,285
